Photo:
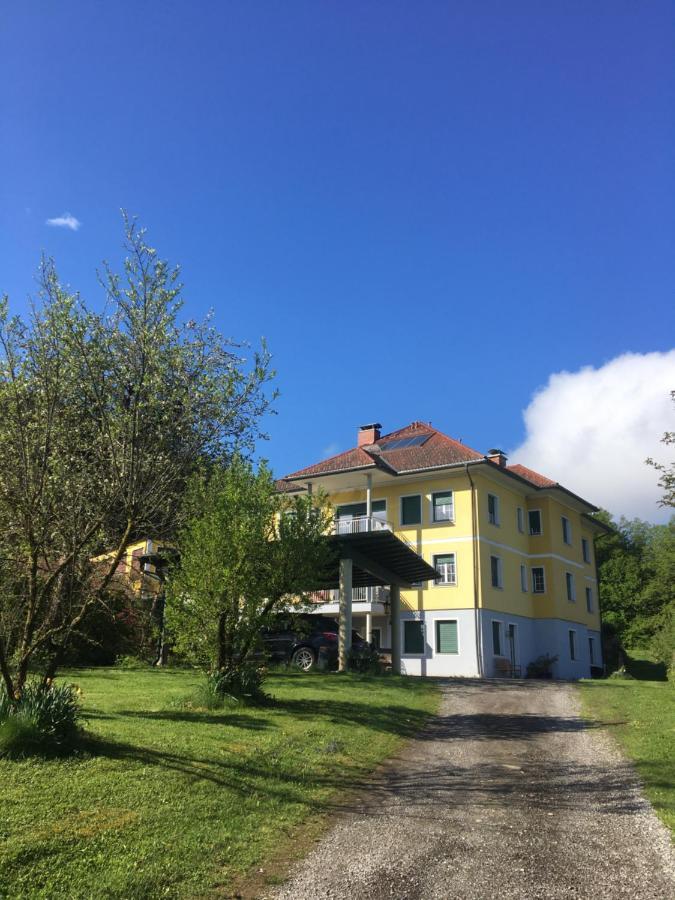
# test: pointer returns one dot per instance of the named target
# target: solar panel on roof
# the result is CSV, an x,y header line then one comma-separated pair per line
x,y
415,441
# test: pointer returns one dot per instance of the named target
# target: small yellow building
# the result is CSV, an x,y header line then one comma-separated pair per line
x,y
513,549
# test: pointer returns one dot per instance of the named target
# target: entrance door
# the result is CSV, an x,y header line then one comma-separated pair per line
x,y
376,638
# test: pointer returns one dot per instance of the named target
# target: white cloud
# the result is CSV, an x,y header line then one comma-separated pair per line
x,y
66,220
592,430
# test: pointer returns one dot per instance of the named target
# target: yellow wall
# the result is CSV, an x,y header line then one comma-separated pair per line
x,y
503,540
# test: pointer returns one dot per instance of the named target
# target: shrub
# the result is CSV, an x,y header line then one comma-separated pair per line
x,y
366,661
44,719
541,667
662,645
241,684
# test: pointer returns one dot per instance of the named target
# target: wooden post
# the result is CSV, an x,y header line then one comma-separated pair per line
x,y
345,635
395,601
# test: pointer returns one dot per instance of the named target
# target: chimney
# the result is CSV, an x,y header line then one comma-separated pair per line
x,y
368,434
497,456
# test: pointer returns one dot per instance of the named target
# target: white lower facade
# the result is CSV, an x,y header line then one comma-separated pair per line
x,y
506,643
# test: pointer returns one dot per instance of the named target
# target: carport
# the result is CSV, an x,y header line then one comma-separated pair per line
x,y
370,559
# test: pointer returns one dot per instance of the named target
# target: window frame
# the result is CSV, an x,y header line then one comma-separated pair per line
x,y
400,510
541,523
570,583
500,573
585,550
520,519
523,578
405,652
496,521
589,598
439,652
437,582
566,530
500,626
543,579
432,509
572,642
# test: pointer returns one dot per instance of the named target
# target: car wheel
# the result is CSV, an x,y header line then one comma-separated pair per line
x,y
303,659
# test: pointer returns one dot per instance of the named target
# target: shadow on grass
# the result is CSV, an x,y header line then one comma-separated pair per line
x,y
645,670
197,717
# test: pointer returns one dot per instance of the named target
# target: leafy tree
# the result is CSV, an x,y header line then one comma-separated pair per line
x,y
104,417
245,551
636,569
667,470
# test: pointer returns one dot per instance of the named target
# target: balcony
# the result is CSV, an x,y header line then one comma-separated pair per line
x,y
359,524
378,594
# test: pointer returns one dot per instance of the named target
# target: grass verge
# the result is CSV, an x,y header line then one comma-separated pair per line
x,y
171,802
641,716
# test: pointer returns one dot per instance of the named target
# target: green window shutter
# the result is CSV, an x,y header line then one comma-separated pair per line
x,y
411,510
447,639
413,637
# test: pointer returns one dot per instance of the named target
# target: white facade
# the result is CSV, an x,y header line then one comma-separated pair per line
x,y
531,638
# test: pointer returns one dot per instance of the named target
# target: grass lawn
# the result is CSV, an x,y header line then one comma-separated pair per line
x,y
171,802
641,716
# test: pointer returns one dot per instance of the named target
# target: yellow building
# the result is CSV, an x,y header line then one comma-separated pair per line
x,y
513,551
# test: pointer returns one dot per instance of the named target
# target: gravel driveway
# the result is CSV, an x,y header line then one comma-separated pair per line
x,y
507,794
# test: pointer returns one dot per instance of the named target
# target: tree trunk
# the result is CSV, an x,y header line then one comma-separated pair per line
x,y
222,642
6,674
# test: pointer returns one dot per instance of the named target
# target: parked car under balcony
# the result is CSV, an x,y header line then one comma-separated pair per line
x,y
302,639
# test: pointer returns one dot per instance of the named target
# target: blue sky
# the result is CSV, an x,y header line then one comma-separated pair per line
x,y
427,208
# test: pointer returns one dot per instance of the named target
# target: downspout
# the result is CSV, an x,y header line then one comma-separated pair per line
x,y
476,574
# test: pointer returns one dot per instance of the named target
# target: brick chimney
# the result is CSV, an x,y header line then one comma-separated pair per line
x,y
368,434
497,456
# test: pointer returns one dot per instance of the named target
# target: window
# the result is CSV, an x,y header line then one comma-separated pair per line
x,y
589,599
411,510
538,580
534,518
566,530
520,519
571,590
446,567
573,644
497,638
523,579
447,636
591,650
413,638
585,550
496,571
493,509
442,507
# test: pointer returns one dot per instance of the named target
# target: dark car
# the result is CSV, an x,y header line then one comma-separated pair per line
x,y
301,639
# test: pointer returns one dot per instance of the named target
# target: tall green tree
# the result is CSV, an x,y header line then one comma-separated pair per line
x,y
246,551
667,470
636,569
104,417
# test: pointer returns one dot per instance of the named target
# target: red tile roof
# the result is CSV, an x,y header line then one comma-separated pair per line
x,y
437,450
533,477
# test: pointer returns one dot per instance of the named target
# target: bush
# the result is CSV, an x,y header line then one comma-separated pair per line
x,y
241,684
542,666
366,661
662,645
43,720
